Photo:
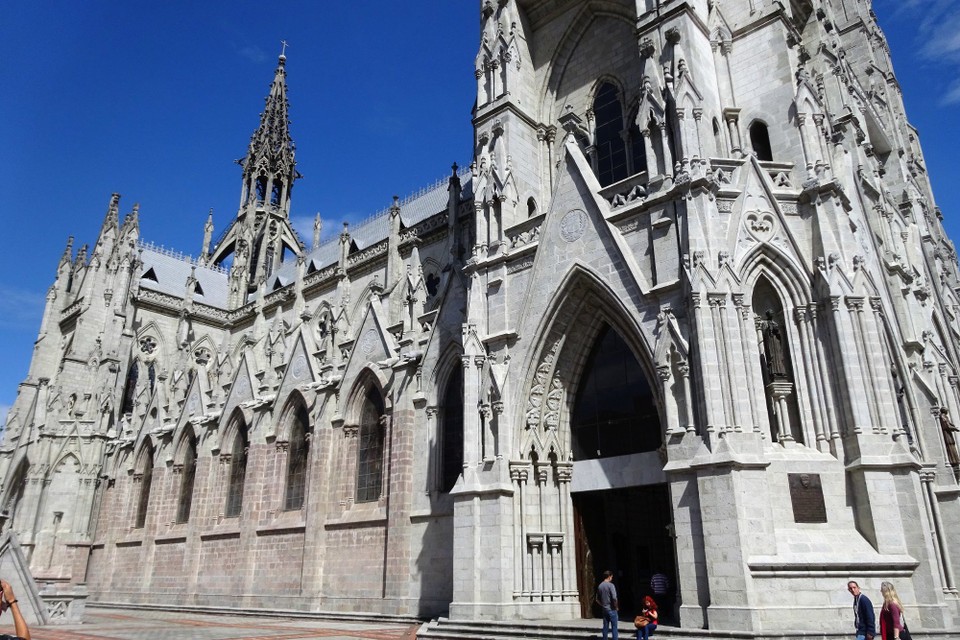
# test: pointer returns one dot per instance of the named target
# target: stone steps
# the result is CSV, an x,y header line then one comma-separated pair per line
x,y
446,629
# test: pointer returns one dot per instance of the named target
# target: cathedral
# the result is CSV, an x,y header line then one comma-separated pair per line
x,y
689,310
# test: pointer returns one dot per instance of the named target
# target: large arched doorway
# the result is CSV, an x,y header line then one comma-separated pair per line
x,y
622,512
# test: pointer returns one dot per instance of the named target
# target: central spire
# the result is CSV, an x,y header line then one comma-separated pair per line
x,y
261,234
269,167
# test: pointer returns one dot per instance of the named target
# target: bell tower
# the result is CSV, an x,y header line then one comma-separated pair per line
x,y
261,233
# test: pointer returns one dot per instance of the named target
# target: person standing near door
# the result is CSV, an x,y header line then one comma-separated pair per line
x,y
607,599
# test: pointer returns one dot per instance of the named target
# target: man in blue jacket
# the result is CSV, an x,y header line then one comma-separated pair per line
x,y
863,617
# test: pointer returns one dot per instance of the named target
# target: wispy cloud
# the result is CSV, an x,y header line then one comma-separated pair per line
x,y
938,37
253,53
20,309
304,226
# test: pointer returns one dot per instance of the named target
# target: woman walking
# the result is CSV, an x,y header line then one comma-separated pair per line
x,y
891,614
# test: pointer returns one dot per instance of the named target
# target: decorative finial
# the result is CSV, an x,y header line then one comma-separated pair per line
x,y
283,50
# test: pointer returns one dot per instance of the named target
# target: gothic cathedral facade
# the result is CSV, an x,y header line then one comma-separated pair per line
x,y
690,310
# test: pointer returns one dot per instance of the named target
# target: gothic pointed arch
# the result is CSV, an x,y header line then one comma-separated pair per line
x,y
367,419
185,463
238,440
450,432
143,482
296,432
583,306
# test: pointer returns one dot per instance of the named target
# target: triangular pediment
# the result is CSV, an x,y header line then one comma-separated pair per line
x,y
372,344
761,222
244,387
300,370
572,233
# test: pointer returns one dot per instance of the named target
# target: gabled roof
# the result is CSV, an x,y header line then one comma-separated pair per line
x,y
171,271
415,209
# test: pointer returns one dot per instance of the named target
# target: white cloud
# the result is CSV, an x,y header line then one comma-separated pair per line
x,y
303,225
20,309
938,37
253,53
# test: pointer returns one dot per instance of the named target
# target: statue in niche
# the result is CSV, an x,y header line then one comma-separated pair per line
x,y
950,431
773,347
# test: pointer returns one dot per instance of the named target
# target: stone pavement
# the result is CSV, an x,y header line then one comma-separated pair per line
x,y
117,624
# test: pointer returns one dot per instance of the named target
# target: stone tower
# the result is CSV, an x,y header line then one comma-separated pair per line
x,y
729,192
256,240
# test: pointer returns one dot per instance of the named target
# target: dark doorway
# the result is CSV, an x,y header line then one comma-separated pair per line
x,y
627,531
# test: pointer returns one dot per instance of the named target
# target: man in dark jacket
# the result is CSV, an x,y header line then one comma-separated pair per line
x,y
863,617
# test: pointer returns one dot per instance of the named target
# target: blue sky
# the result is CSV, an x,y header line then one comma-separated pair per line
x,y
156,100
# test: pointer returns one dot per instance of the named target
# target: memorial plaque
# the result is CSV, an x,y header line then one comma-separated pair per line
x,y
806,495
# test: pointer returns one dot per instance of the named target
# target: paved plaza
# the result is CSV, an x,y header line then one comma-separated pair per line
x,y
116,624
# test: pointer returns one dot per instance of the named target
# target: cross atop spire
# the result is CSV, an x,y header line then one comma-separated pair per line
x,y
283,50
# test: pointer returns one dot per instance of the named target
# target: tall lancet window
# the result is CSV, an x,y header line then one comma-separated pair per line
x,y
609,139
188,474
451,437
145,468
297,458
760,141
238,471
615,413
130,389
775,363
370,450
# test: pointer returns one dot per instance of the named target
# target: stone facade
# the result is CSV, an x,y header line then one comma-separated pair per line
x,y
690,309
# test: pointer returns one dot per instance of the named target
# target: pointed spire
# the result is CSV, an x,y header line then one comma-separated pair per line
x,y
207,235
271,146
67,257
112,219
317,228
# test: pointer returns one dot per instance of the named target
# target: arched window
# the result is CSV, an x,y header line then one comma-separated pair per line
x,y
297,458
614,414
261,188
452,435
275,192
130,389
370,449
238,471
15,496
187,476
531,207
145,467
611,154
718,138
152,375
760,141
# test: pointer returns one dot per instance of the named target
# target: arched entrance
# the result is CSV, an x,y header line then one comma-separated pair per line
x,y
622,511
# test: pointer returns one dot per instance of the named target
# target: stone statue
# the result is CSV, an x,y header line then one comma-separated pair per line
x,y
773,346
949,438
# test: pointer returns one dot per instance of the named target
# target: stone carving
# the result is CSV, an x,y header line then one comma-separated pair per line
x,y
760,224
573,225
299,369
368,342
148,344
535,398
